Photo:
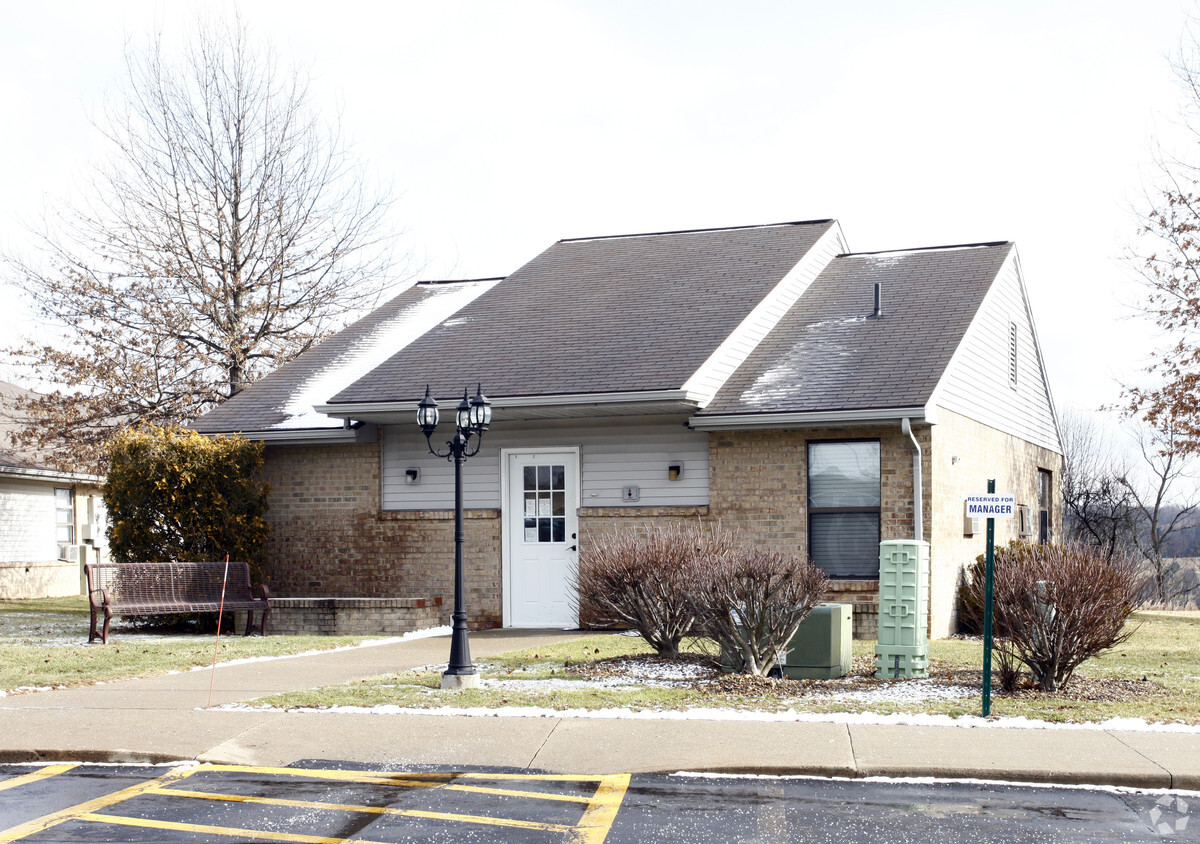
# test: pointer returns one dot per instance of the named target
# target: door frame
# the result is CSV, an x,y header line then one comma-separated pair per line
x,y
506,504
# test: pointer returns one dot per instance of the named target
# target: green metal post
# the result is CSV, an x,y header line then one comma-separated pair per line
x,y
987,609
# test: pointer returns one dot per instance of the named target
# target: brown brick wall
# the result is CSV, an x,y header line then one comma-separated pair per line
x,y
330,539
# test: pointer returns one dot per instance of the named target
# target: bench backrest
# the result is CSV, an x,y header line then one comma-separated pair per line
x,y
169,583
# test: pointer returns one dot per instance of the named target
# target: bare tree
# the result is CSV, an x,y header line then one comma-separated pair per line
x,y
229,230
1167,256
1098,507
1165,458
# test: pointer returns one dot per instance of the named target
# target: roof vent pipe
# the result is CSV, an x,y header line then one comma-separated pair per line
x,y
878,301
918,492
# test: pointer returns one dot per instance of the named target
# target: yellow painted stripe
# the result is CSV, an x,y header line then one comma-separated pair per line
x,y
374,810
232,831
47,821
536,795
39,774
598,819
368,777
538,777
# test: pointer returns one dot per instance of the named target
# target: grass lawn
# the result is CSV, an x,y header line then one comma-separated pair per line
x,y
1155,675
44,643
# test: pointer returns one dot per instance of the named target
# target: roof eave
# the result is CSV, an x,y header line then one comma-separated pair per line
x,y
917,414
565,405
31,474
284,436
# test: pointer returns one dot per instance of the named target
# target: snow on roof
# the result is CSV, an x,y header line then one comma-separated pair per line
x,y
440,302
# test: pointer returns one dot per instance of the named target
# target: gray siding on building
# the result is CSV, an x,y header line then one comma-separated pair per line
x,y
977,384
613,455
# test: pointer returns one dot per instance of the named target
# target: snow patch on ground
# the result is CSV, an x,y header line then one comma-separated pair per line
x,y
788,716
912,691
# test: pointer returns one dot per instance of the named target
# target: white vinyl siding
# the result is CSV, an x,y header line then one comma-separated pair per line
x,y
980,383
27,522
613,455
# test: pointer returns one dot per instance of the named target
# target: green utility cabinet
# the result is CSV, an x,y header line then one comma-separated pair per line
x,y
820,650
903,649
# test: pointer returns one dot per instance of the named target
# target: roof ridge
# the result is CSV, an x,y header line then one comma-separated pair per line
x,y
697,231
979,245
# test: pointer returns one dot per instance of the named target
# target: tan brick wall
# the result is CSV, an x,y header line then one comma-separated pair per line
x,y
966,455
759,485
330,539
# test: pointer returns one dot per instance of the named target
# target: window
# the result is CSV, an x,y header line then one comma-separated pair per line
x,y
1043,525
64,509
843,508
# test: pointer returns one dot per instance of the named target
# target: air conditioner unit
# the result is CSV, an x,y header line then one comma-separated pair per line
x,y
1028,523
70,553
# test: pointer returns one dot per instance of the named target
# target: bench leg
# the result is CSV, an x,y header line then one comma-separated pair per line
x,y
92,634
107,618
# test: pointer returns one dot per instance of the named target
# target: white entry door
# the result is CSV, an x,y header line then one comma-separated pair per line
x,y
542,528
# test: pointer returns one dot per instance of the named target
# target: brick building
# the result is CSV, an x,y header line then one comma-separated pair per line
x,y
816,399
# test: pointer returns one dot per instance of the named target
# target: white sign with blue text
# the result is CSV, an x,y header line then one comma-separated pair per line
x,y
991,506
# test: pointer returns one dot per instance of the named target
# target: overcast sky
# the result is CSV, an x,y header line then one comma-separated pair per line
x,y
506,126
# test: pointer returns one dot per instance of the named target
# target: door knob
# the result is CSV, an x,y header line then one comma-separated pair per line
x,y
572,548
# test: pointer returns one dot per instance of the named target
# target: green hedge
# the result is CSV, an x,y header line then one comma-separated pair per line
x,y
173,494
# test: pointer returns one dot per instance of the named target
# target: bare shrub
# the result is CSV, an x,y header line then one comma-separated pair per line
x,y
641,579
1055,607
750,602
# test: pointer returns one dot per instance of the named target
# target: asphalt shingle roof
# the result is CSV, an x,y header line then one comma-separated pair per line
x,y
826,354
283,399
600,315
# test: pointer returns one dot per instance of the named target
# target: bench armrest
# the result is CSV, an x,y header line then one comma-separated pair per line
x,y
106,598
266,593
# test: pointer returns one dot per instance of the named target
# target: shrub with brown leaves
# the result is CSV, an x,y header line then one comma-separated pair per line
x,y
1056,606
642,579
751,602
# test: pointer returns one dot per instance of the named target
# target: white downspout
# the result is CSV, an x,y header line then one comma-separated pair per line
x,y
918,492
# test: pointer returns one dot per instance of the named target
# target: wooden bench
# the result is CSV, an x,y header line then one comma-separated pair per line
x,y
164,588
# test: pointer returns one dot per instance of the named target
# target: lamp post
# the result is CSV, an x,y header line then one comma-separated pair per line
x,y
471,420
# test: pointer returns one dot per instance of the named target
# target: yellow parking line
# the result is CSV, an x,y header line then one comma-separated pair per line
x,y
537,795
39,774
47,821
368,777
232,831
543,777
374,810
598,818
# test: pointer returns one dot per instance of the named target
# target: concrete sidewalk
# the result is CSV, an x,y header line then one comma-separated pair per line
x,y
162,719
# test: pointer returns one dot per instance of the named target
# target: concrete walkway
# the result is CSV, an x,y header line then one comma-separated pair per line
x,y
162,719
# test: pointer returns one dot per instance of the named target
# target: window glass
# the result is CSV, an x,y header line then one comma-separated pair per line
x,y
843,474
64,509
843,508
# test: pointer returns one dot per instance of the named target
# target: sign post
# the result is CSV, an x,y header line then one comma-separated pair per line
x,y
994,507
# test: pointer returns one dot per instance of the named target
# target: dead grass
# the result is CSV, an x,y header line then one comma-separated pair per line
x,y
1155,676
43,643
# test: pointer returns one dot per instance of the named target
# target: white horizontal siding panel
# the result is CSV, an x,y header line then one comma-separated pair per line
x,y
613,455
27,522
977,384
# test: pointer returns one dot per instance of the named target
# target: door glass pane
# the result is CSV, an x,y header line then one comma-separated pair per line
x,y
545,503
843,474
845,544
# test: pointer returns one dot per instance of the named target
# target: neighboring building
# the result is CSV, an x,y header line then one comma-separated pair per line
x,y
51,521
737,375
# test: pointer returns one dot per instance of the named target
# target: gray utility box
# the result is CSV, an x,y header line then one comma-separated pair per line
x,y
820,650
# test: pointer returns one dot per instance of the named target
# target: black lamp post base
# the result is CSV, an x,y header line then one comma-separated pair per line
x,y
460,681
